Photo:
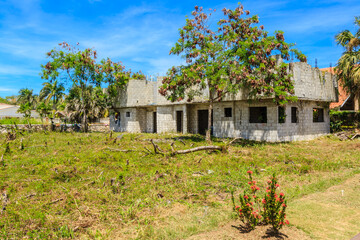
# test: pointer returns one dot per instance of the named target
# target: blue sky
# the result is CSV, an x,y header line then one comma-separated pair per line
x,y
141,33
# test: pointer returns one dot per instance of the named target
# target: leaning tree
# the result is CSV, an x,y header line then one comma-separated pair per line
x,y
238,55
80,70
348,66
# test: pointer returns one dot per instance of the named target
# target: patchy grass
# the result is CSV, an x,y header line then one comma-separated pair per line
x,y
71,185
333,214
11,121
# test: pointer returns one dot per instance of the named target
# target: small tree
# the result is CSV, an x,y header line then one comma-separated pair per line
x,y
79,67
52,92
44,110
27,101
96,99
237,56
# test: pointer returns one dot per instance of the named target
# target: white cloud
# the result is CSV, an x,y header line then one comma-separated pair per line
x,y
2,89
18,70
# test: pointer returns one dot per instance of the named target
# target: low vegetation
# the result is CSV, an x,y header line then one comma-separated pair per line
x,y
97,185
12,121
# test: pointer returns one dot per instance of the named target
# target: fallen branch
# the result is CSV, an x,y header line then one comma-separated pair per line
x,y
232,141
55,201
156,148
119,150
201,148
355,136
5,201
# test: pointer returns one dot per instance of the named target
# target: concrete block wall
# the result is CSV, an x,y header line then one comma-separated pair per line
x,y
165,119
134,123
313,84
238,125
309,83
305,128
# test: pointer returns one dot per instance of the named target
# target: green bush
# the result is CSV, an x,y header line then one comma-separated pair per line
x,y
339,119
254,210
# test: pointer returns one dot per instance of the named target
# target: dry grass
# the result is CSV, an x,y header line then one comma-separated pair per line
x,y
68,185
333,214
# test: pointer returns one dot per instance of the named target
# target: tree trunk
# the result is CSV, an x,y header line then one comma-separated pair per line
x,y
208,131
357,102
84,126
84,122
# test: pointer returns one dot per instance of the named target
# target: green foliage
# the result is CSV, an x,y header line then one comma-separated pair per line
x,y
69,181
79,67
249,209
12,121
348,66
95,102
254,211
339,119
27,101
43,109
274,205
239,56
25,109
51,94
4,100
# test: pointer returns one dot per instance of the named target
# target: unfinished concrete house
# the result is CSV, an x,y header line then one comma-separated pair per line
x,y
140,108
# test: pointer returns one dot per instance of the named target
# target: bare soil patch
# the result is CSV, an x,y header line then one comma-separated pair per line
x,y
233,230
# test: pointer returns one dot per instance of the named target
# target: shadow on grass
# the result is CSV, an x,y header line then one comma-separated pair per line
x,y
193,138
242,228
270,233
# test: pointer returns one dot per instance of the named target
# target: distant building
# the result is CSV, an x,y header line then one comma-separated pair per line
x,y
10,111
346,101
140,108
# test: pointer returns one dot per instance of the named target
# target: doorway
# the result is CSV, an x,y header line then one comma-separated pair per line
x,y
154,122
179,121
203,117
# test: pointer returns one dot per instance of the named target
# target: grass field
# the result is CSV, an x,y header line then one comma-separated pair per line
x,y
8,121
76,185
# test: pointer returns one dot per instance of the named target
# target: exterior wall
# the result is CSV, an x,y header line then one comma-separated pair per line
x,y
312,83
236,126
313,88
135,123
239,125
305,129
309,83
11,112
165,119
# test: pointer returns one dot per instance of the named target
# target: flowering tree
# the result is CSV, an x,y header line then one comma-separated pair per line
x,y
237,56
79,67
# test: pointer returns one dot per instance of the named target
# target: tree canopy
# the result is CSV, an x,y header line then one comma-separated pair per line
x,y
348,66
238,55
80,70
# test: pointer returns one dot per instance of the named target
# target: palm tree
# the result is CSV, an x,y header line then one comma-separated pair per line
x,y
92,99
26,96
348,66
27,101
52,92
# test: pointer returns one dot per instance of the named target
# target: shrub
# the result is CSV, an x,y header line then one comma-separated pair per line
x,y
254,210
274,206
249,209
344,118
